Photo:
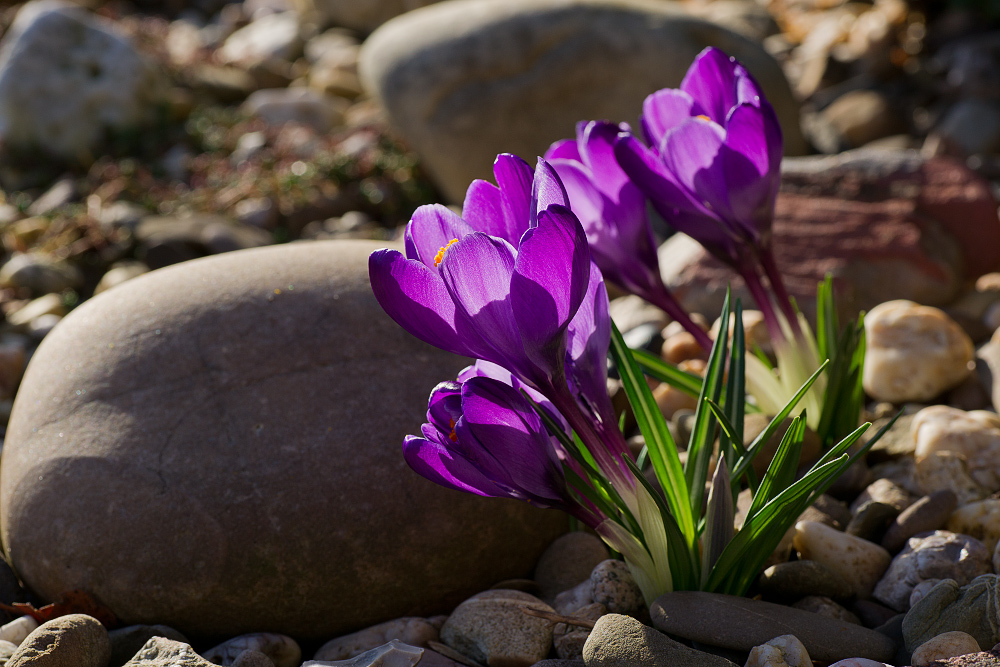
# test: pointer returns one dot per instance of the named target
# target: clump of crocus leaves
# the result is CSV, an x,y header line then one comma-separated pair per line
x,y
517,282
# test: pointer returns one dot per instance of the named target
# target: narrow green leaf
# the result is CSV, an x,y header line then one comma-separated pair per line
x,y
782,469
660,444
659,369
719,519
732,443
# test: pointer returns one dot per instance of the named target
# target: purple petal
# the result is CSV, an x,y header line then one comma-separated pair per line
x,y
483,209
752,180
477,274
711,80
648,172
511,445
429,232
514,177
747,88
588,338
444,407
439,464
549,282
664,110
416,298
585,199
598,150
564,149
690,152
547,190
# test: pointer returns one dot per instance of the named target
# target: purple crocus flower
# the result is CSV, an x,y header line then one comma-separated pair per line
x,y
483,437
712,168
612,210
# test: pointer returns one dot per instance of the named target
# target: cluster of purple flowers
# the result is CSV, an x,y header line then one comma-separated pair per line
x,y
517,282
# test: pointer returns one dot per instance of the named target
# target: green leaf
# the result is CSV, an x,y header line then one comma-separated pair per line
x,y
719,519
781,471
660,444
731,443
659,369
703,432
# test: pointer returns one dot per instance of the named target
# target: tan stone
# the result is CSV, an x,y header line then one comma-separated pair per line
x,y
974,435
468,79
913,352
860,562
492,629
980,519
948,471
783,651
215,446
944,646
74,639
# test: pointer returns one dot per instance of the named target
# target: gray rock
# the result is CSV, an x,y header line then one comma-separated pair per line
x,y
120,504
614,587
929,513
252,658
492,629
361,16
163,652
277,106
883,491
973,608
66,105
409,630
740,624
622,641
76,640
7,649
466,80
578,597
271,37
796,579
970,126
568,561
282,650
39,273
871,520
569,639
938,555
824,606
126,642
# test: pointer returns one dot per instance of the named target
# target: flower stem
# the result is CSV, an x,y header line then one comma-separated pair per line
x,y
778,289
760,295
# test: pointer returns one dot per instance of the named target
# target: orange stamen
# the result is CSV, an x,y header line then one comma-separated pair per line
x,y
452,436
702,116
440,254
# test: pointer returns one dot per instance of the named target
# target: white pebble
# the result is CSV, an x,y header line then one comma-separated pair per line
x,y
783,651
15,631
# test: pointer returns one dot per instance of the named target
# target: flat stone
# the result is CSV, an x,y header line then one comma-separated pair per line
x,y
944,646
252,658
464,81
796,579
741,624
929,513
75,640
622,641
259,383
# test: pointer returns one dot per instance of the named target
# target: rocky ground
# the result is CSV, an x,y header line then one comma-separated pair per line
x,y
212,451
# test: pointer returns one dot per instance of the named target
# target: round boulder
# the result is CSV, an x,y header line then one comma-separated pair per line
x,y
216,446
467,79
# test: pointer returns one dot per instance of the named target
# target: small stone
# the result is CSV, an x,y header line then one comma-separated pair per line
x,y
922,589
6,651
409,630
492,629
275,36
948,607
163,652
127,641
75,639
970,126
392,654
939,555
929,513
884,491
895,443
795,579
871,521
39,273
824,606
974,435
948,471
15,631
944,646
979,519
783,651
252,658
901,471
861,116
872,614
740,624
258,212
566,562
570,601
277,106
119,273
281,649
614,587
860,562
570,639
913,353
60,194
681,347
829,511
859,662
622,641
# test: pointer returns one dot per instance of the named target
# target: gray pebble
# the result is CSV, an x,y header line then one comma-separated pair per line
x,y
614,587
567,561
824,606
796,579
871,520
622,641
929,513
126,642
252,658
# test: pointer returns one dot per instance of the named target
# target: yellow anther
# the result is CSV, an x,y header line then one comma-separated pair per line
x,y
440,254
702,116
452,436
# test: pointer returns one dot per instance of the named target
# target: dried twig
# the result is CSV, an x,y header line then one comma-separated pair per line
x,y
559,618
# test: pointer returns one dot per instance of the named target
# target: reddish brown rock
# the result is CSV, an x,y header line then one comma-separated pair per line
x,y
216,446
887,225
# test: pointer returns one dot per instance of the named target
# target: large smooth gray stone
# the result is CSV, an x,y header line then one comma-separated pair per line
x,y
622,641
973,609
216,446
467,79
741,624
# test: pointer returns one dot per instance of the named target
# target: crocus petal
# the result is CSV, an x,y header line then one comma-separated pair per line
x,y
547,190
747,88
444,407
752,182
443,466
564,149
585,198
549,282
588,338
690,151
507,441
664,110
477,272
514,177
483,210
416,298
488,369
598,150
647,171
711,80
429,232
